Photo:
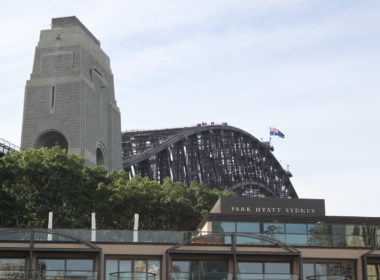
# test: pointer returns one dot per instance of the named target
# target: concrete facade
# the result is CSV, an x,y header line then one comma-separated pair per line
x,y
69,99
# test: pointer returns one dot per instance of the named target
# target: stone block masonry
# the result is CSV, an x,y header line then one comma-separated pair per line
x,y
69,99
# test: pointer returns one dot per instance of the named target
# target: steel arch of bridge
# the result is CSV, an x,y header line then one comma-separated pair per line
x,y
222,156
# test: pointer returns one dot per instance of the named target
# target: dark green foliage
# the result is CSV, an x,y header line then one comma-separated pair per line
x,y
34,182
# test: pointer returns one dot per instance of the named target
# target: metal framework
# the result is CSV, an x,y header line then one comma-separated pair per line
x,y
233,243
34,236
221,156
6,147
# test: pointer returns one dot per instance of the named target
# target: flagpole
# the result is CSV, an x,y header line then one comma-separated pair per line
x,y
270,138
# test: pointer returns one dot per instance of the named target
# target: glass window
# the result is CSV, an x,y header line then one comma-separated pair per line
x,y
12,264
79,264
51,267
348,269
248,227
274,228
66,267
277,267
325,270
199,269
319,234
139,270
154,267
334,269
139,266
199,265
339,240
338,229
51,264
296,228
353,229
12,268
214,266
248,240
125,265
278,237
372,271
263,270
250,267
355,241
321,269
223,226
296,239
111,267
130,268
311,228
319,228
308,270
181,266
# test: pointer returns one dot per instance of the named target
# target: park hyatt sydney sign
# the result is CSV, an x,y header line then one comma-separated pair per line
x,y
270,206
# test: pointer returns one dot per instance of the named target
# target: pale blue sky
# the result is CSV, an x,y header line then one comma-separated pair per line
x,y
308,67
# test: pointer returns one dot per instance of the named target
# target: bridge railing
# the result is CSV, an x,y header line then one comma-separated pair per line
x,y
6,146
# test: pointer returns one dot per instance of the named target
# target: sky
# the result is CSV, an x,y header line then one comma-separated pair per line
x,y
307,67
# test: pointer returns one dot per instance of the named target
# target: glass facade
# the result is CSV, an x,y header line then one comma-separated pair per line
x,y
67,268
12,268
264,270
318,234
329,271
136,269
198,269
373,271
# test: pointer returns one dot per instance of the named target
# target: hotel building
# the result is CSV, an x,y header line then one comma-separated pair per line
x,y
240,239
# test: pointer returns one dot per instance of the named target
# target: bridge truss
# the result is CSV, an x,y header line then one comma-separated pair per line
x,y
221,156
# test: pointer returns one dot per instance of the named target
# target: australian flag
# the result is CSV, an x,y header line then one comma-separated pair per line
x,y
276,132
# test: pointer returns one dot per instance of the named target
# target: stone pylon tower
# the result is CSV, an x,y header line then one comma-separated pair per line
x,y
69,99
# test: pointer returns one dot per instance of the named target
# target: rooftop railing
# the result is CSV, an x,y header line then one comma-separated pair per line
x,y
175,237
67,235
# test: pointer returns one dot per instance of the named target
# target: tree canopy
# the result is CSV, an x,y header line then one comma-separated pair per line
x,y
36,181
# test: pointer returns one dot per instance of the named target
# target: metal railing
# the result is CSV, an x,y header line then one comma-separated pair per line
x,y
330,277
175,237
49,275
6,147
200,276
145,236
128,275
229,276
266,276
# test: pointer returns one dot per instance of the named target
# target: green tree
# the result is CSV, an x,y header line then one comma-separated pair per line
x,y
35,182
43,180
166,206
160,206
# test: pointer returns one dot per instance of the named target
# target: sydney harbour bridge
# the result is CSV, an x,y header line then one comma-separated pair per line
x,y
221,156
